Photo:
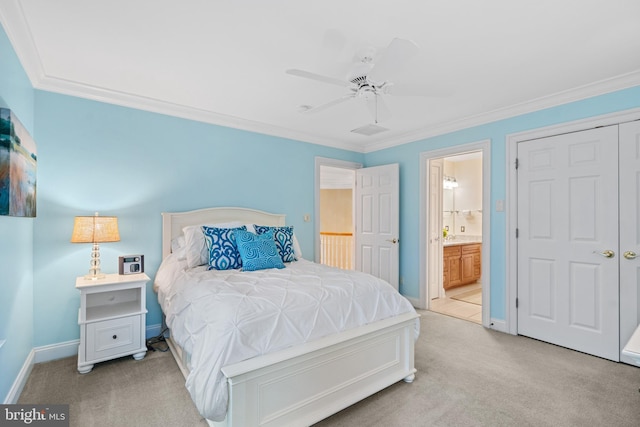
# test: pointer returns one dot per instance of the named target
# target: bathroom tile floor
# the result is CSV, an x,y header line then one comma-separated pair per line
x,y
460,309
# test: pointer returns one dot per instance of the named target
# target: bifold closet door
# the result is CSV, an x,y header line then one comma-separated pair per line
x,y
568,271
629,231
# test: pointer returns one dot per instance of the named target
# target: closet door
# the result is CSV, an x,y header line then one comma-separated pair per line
x,y
568,271
629,231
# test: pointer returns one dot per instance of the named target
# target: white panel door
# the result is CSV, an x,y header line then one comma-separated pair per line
x,y
567,222
377,222
629,232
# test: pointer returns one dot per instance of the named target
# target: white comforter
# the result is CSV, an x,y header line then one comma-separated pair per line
x,y
224,317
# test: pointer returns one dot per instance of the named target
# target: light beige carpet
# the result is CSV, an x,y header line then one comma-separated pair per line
x,y
121,392
467,376
473,296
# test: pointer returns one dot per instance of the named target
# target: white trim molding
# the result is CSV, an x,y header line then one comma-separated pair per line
x,y
20,35
47,353
20,381
498,325
415,302
602,87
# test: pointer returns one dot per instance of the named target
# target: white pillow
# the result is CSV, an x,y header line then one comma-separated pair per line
x,y
178,246
197,252
297,250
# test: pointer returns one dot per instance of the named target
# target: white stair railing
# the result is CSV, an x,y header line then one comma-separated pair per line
x,y
336,250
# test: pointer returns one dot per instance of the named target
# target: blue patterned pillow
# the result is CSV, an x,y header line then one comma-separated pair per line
x,y
284,240
258,252
223,253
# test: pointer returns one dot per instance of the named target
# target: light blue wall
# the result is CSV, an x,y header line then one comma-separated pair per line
x,y
135,165
408,156
16,237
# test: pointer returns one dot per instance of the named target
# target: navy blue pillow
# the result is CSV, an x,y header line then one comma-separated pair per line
x,y
258,252
283,237
223,252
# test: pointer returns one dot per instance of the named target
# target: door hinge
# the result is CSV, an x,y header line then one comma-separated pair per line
x,y
517,163
517,233
516,302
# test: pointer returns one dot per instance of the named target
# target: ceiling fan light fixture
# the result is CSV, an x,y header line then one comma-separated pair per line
x,y
369,130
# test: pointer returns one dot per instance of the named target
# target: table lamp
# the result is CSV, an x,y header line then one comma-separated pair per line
x,y
95,229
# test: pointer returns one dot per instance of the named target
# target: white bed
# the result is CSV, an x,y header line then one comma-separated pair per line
x,y
307,382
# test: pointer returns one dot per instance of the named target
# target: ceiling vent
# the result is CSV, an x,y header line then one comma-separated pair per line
x,y
369,130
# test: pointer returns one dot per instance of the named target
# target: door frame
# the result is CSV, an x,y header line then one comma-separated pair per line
x,y
435,278
485,147
326,161
511,244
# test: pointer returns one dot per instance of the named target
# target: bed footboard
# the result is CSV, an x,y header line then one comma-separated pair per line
x,y
305,384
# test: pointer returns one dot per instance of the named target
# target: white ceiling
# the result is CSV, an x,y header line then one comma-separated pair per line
x,y
224,62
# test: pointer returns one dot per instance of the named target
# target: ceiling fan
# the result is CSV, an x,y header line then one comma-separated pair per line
x,y
370,79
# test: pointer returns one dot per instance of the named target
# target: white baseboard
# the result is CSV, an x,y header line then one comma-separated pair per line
x,y
47,353
153,330
21,380
415,302
498,325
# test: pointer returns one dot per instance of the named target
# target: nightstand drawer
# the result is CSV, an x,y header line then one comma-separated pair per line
x,y
113,337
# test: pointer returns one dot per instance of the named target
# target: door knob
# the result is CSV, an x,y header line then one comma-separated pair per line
x,y
394,240
630,255
607,254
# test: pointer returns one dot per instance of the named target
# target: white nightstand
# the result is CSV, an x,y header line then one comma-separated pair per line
x,y
111,318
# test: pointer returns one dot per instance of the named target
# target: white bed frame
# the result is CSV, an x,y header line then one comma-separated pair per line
x,y
306,383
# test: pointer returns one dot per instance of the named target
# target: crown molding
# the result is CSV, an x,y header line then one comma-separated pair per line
x,y
601,87
19,33
124,99
20,36
96,93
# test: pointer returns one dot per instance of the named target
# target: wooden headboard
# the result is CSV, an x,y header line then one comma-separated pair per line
x,y
173,222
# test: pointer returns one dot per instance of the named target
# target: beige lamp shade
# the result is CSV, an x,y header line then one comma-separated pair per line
x,y
95,229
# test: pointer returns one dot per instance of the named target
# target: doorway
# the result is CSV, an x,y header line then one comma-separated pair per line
x,y
337,197
455,231
375,223
459,292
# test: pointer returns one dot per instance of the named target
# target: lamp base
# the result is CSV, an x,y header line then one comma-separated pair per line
x,y
94,270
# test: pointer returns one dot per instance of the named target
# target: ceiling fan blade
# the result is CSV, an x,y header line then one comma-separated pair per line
x,y
393,60
378,109
409,89
318,77
329,104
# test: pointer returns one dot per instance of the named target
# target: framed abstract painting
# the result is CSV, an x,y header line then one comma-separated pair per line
x,y
18,163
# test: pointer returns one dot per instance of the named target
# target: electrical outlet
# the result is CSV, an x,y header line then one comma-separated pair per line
x,y
307,218
462,228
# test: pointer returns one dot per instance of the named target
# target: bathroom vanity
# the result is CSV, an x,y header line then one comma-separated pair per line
x,y
462,263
